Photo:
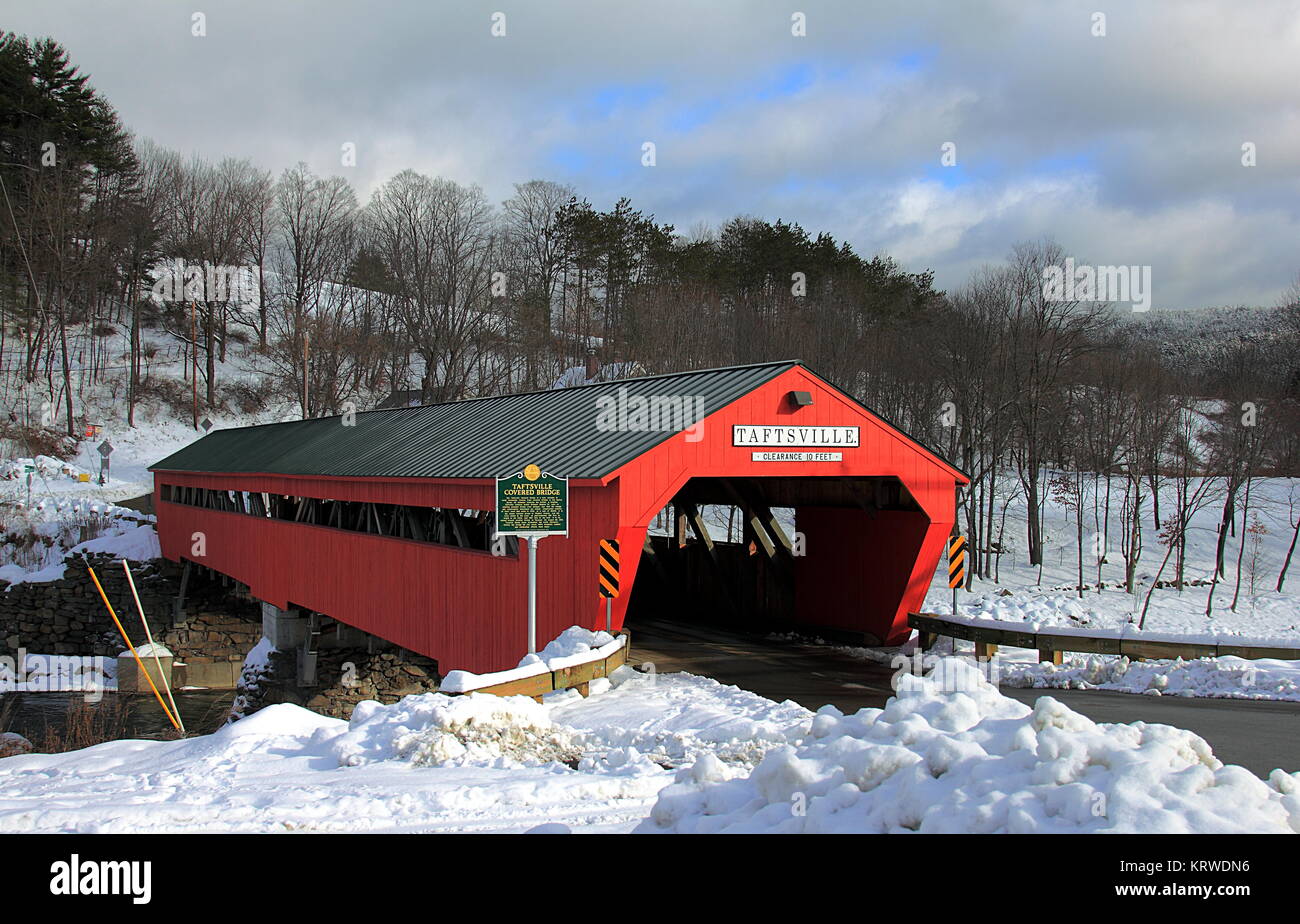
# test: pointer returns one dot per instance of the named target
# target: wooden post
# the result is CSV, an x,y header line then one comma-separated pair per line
x,y
148,634
140,664
701,529
1050,656
985,649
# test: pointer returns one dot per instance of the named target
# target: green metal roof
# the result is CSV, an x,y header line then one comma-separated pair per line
x,y
478,438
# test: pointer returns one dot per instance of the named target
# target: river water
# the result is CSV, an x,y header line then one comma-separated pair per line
x,y
202,711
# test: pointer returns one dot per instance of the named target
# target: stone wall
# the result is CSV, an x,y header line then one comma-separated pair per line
x,y
67,616
211,645
216,632
385,675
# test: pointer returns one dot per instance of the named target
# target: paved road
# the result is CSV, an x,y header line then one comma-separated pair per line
x,y
1256,735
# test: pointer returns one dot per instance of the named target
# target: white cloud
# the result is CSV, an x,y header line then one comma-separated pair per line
x,y
1117,146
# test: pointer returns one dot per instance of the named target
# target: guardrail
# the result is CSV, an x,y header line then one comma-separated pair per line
x,y
1050,645
576,677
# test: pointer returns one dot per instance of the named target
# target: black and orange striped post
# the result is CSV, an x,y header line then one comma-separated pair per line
x,y
956,566
607,581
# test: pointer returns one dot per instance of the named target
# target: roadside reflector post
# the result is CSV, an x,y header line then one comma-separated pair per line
x,y
956,566
607,577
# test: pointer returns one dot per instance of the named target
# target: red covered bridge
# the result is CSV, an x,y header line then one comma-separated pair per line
x,y
383,520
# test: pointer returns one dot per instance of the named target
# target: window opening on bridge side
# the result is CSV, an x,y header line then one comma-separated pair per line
x,y
463,528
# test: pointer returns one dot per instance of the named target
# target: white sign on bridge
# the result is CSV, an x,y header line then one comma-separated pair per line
x,y
762,435
798,456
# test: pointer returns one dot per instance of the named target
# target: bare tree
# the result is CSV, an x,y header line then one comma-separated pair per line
x,y
437,240
257,233
1046,334
317,221
532,234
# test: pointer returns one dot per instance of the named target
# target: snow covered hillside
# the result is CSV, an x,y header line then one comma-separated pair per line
x,y
1021,599
1262,616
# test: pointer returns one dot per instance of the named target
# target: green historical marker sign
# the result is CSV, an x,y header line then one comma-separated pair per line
x,y
532,503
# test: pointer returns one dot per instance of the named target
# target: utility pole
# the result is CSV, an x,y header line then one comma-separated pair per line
x,y
194,361
306,342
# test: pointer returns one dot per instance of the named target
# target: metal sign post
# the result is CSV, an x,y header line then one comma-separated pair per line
x,y
532,594
105,450
532,504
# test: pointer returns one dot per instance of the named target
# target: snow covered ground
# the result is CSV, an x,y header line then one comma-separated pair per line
x,y
427,763
1221,678
949,754
656,753
42,536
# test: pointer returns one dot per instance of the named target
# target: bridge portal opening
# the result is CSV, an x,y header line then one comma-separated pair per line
x,y
824,556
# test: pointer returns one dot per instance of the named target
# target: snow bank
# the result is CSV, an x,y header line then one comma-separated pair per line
x,y
1225,677
125,533
16,574
257,664
672,719
932,760
432,729
575,645
45,466
950,754
139,543
1059,614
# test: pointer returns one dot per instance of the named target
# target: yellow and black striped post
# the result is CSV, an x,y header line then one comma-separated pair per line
x,y
956,561
607,581
956,566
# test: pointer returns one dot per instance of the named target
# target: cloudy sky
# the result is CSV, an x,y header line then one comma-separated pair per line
x,y
1125,148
